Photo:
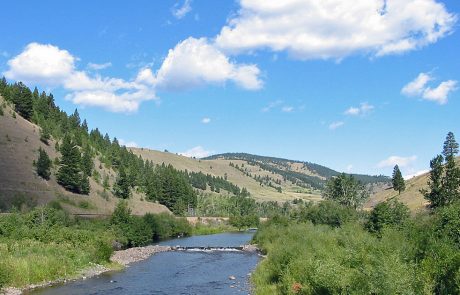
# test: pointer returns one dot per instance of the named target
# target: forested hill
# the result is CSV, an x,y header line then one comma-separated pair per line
x,y
304,173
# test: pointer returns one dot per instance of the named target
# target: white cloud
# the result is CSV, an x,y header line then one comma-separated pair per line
x,y
335,125
287,109
271,105
194,62
419,87
363,109
397,160
415,174
197,152
334,29
94,66
206,120
128,143
51,66
179,11
440,93
41,63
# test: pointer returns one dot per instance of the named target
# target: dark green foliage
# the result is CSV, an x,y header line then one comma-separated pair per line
x,y
390,213
121,188
43,164
84,184
121,214
450,190
450,147
68,174
87,164
22,99
244,221
435,193
398,180
327,212
346,190
408,256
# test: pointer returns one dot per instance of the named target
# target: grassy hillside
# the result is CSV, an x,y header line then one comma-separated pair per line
x,y
411,196
266,178
21,186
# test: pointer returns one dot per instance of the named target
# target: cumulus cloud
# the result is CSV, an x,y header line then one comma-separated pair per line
x,y
194,62
363,109
197,152
335,125
49,65
397,160
271,105
440,93
206,120
94,66
41,63
334,29
179,11
419,87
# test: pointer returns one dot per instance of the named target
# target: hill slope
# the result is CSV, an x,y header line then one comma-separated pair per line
x,y
412,196
266,178
20,185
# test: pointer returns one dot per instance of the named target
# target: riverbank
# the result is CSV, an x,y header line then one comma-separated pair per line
x,y
119,260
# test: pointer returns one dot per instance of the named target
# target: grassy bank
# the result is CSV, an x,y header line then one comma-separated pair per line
x,y
46,244
347,255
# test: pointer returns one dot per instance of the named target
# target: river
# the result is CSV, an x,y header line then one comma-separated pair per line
x,y
179,272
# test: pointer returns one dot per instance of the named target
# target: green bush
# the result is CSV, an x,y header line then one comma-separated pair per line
x,y
327,212
391,213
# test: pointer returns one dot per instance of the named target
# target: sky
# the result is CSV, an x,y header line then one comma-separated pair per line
x,y
356,86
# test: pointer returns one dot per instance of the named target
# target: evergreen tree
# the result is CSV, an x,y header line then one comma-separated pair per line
x,y
84,185
435,194
450,146
451,182
69,171
22,98
43,164
87,164
397,180
121,187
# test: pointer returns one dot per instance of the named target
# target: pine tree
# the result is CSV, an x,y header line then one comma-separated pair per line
x,y
397,180
450,146
22,99
43,164
84,185
451,182
121,187
87,164
69,171
435,194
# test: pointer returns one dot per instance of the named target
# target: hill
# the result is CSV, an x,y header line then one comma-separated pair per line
x,y
266,178
21,186
412,196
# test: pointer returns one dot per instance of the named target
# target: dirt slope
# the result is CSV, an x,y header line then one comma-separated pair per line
x,y
19,183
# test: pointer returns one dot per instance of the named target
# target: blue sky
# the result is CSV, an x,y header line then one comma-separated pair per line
x,y
356,88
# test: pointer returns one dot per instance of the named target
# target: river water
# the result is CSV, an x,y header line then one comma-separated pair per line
x,y
180,272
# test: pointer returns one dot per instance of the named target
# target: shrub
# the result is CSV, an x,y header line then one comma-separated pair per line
x,y
390,213
327,212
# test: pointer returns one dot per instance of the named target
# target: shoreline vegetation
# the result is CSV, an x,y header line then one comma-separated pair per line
x,y
46,246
